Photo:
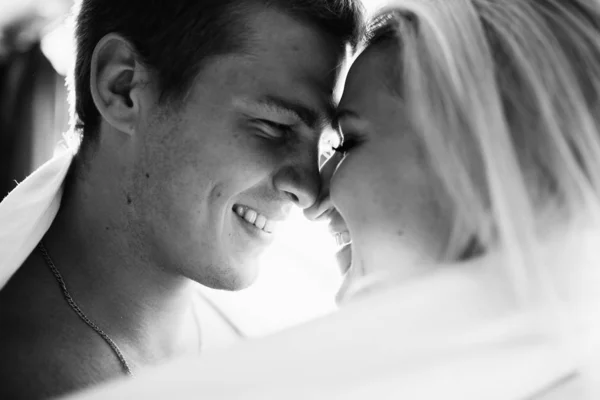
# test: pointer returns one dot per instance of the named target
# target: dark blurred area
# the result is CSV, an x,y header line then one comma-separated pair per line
x,y
33,96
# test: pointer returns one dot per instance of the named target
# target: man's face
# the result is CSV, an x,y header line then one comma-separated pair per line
x,y
214,177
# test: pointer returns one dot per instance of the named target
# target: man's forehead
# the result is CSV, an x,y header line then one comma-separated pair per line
x,y
324,86
294,44
295,66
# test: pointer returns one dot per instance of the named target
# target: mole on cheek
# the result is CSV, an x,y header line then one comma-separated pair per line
x,y
129,201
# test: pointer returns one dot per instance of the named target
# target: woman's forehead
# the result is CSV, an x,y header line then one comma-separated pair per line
x,y
373,70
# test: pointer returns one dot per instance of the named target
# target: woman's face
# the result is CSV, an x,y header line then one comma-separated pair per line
x,y
383,187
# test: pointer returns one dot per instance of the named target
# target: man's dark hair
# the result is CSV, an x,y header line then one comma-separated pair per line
x,y
173,37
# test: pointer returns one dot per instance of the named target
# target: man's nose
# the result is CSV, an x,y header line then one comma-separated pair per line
x,y
300,181
323,203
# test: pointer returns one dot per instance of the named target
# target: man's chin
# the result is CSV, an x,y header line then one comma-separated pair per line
x,y
232,280
237,285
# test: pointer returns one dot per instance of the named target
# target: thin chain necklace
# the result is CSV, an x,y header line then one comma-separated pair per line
x,y
80,313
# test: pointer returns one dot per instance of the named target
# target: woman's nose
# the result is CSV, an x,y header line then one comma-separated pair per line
x,y
323,204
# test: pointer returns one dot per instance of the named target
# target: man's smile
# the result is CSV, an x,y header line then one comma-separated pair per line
x,y
255,218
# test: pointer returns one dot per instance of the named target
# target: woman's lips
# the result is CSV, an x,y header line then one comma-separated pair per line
x,y
337,225
342,238
344,257
339,230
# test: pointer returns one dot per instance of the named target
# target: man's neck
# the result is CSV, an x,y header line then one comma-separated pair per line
x,y
139,304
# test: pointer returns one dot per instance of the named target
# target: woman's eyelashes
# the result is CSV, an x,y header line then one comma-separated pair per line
x,y
349,142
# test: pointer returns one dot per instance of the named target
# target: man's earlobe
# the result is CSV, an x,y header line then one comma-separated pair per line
x,y
114,75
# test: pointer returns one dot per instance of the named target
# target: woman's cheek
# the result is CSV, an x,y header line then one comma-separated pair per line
x,y
341,184
349,188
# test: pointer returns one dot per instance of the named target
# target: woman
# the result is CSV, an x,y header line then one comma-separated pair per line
x,y
469,128
469,184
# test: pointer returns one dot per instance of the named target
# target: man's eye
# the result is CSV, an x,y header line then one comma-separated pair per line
x,y
273,129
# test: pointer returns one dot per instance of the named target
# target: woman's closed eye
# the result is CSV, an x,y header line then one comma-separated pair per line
x,y
348,143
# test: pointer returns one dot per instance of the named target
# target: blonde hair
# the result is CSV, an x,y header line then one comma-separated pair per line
x,y
504,95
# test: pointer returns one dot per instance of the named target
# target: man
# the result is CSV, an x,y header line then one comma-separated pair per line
x,y
200,122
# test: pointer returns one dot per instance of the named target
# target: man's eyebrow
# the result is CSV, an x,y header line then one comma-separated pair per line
x,y
335,122
309,116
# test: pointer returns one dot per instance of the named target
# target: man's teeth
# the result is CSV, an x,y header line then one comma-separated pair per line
x,y
250,216
261,221
256,219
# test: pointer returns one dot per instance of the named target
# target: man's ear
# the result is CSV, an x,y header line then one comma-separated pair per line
x,y
116,80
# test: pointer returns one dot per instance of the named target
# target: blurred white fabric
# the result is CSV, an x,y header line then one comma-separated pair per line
x,y
441,337
28,211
